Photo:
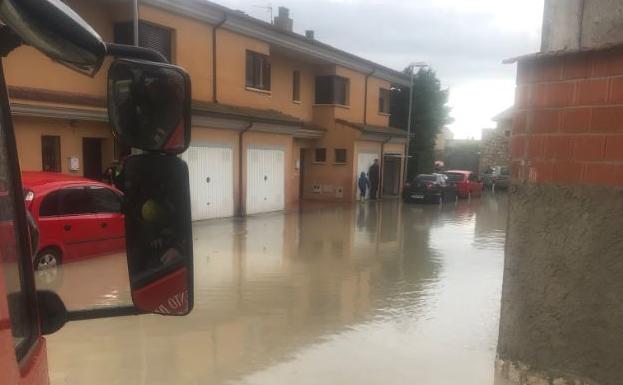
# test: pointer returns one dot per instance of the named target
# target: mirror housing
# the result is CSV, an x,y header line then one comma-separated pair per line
x,y
56,30
149,105
159,241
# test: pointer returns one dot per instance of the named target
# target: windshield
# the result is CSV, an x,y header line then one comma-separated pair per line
x,y
426,178
455,177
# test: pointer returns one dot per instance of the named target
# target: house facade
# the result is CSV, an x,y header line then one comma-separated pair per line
x,y
277,116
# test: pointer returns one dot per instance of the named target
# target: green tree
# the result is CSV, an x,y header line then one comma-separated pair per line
x,y
430,113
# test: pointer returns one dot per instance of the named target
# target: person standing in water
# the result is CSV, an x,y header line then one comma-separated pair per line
x,y
364,184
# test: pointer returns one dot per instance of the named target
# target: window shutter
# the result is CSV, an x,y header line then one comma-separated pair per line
x,y
265,74
156,38
249,69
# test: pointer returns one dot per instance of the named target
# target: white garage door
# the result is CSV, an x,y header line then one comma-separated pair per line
x,y
265,180
364,161
211,176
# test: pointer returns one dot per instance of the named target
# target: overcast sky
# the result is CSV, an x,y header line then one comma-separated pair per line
x,y
465,41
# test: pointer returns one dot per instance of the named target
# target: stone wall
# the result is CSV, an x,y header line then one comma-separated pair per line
x,y
562,297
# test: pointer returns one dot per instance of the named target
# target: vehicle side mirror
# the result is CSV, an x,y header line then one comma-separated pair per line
x,y
56,30
149,105
159,233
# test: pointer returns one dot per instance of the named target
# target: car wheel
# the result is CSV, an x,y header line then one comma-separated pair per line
x,y
47,259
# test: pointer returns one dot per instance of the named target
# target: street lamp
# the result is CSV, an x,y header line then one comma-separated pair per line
x,y
412,68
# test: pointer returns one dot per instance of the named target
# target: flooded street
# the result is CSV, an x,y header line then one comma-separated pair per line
x,y
365,294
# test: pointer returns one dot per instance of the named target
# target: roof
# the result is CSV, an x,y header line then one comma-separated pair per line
x,y
239,22
377,130
507,114
562,53
41,178
258,115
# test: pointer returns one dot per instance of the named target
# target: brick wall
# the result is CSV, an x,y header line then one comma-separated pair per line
x,y
568,126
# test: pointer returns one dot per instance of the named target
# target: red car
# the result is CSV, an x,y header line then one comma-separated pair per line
x,y
77,217
467,182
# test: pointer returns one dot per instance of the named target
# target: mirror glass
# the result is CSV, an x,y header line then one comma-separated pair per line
x,y
55,29
158,233
149,105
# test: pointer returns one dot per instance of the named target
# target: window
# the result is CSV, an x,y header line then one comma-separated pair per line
x,y
150,36
340,155
296,86
51,153
332,90
320,155
384,101
104,200
69,201
258,71
455,177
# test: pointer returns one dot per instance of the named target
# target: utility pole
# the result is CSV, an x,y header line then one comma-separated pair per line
x,y
412,67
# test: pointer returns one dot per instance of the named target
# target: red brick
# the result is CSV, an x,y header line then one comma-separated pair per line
x,y
518,146
616,90
538,95
607,63
591,92
619,175
576,120
544,171
567,172
607,119
577,67
558,147
520,122
546,121
589,147
560,94
522,96
548,69
524,72
535,146
600,174
614,147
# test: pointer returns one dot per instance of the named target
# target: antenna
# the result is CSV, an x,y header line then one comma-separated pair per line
x,y
268,7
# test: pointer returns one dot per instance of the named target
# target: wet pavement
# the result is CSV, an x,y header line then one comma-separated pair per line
x,y
365,294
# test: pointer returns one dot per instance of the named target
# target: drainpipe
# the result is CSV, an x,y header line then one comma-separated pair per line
x,y
217,26
365,98
380,192
240,157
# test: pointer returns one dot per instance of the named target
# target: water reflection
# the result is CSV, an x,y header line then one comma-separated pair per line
x,y
369,294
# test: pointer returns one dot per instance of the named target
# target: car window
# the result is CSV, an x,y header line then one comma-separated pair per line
x,y
472,178
104,200
67,201
19,296
455,177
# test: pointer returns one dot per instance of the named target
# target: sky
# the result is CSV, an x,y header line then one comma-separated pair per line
x,y
464,41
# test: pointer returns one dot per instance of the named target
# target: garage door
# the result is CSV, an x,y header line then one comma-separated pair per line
x,y
364,161
210,170
265,180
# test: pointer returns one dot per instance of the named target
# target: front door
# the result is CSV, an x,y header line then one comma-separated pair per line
x,y
92,158
391,175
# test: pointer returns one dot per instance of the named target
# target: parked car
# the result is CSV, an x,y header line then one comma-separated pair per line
x,y
498,176
468,184
78,218
430,187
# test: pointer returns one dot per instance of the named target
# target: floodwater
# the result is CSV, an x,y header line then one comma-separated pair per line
x,y
366,294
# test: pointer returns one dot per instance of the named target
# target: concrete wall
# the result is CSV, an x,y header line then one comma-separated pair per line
x,y
581,24
563,294
494,146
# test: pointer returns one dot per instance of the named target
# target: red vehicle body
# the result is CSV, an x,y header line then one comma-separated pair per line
x,y
467,182
77,217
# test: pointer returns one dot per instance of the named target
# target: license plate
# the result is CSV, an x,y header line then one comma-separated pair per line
x,y
417,196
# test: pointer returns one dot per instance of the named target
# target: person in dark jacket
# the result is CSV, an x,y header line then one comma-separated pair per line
x,y
364,184
374,174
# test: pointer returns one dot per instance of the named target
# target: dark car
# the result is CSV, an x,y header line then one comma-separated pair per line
x,y
430,188
497,177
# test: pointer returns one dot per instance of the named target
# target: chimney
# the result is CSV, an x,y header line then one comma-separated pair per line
x,y
309,34
283,21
